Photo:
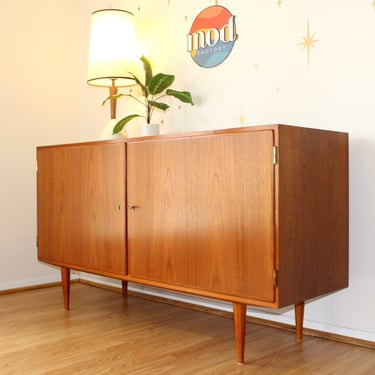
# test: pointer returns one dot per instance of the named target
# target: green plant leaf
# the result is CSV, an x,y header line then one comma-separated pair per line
x,y
141,85
121,124
159,83
158,105
183,96
148,70
151,87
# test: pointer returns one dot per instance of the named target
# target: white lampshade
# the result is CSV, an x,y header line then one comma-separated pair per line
x,y
113,48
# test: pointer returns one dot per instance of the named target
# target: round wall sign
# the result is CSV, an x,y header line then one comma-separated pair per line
x,y
212,36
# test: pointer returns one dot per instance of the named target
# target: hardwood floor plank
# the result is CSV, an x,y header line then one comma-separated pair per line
x,y
106,334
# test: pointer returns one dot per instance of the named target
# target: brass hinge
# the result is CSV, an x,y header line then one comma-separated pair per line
x,y
275,278
274,155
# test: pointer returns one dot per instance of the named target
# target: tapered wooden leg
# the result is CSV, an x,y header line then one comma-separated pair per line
x,y
239,314
299,309
124,288
65,279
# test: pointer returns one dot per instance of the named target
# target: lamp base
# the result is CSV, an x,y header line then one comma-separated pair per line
x,y
106,134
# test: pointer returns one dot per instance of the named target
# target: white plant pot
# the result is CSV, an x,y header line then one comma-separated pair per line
x,y
150,129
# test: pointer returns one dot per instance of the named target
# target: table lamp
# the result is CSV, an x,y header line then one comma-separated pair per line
x,y
112,55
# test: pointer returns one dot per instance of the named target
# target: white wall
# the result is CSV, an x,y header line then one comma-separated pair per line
x,y
266,79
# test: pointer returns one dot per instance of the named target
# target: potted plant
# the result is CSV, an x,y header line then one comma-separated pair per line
x,y
153,89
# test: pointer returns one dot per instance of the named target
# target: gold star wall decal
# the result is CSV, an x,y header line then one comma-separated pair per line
x,y
308,42
242,118
279,3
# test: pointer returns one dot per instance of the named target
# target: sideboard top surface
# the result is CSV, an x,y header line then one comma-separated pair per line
x,y
201,133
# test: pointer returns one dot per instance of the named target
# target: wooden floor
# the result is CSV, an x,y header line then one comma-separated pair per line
x,y
105,334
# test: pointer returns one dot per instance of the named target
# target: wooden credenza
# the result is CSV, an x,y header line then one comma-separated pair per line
x,y
254,216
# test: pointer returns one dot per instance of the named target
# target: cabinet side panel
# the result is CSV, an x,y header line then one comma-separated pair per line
x,y
313,213
57,229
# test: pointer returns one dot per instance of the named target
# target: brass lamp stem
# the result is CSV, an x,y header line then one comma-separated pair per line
x,y
112,92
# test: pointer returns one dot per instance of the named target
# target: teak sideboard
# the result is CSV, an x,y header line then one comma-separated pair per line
x,y
254,215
